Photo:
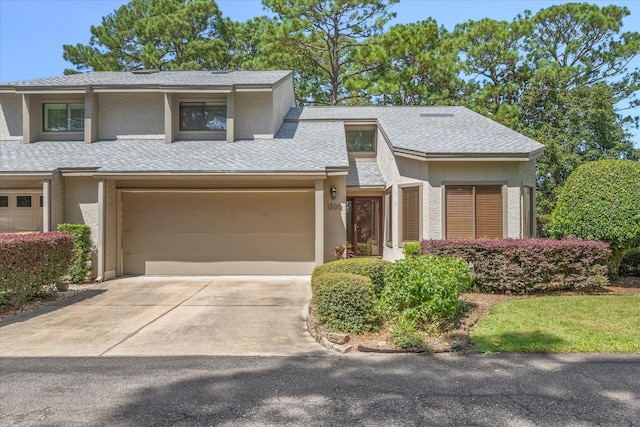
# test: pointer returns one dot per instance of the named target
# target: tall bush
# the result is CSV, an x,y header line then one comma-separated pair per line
x,y
344,302
373,268
601,201
528,265
424,289
30,261
81,250
630,266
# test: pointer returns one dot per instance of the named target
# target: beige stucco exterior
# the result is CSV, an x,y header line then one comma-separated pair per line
x,y
432,176
10,116
131,115
231,223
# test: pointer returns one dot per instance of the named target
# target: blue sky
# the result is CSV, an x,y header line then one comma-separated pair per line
x,y
32,32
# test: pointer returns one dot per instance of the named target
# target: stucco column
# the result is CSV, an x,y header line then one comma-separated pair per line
x,y
231,112
90,117
102,198
168,118
46,206
26,119
319,198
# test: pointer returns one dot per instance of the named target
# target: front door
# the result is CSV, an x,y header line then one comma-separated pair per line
x,y
363,225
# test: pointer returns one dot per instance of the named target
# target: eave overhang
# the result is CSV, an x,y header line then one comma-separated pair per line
x,y
467,157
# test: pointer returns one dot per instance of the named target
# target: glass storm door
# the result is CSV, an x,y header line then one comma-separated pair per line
x,y
363,225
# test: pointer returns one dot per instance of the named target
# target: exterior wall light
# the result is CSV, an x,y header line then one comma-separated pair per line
x,y
333,192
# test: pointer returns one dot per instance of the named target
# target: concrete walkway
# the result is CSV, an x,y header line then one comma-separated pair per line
x,y
169,316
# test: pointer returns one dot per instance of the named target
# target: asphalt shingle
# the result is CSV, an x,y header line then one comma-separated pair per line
x,y
364,173
157,79
298,147
431,130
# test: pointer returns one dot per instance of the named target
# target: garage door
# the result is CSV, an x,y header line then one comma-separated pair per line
x,y
248,232
20,211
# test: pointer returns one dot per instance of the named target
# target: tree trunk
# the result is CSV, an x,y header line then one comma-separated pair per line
x,y
614,263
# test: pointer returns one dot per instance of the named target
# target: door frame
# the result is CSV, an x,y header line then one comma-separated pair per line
x,y
353,200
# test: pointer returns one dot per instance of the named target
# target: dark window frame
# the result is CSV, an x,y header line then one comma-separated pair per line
x,y
30,198
202,127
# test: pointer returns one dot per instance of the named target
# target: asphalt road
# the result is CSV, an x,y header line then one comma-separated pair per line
x,y
362,389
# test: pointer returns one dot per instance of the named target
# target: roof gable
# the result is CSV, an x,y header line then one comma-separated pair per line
x,y
432,132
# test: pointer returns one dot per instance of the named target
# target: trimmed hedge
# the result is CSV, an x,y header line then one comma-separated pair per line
x,y
373,268
630,266
30,261
344,302
601,201
423,290
528,265
411,249
81,250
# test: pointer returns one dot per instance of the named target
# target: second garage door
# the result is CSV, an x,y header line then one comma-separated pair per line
x,y
202,233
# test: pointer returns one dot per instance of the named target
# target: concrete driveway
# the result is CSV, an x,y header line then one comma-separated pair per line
x,y
169,316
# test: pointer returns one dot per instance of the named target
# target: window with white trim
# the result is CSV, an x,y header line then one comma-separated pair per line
x,y
63,117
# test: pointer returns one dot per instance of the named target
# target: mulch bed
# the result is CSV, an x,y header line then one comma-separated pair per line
x,y
457,338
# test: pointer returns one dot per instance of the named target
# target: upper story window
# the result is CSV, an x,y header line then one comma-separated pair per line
x,y
361,139
203,116
63,117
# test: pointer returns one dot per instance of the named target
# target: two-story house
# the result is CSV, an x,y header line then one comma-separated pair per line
x,y
199,172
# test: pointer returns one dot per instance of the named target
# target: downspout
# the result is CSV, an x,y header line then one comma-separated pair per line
x,y
101,229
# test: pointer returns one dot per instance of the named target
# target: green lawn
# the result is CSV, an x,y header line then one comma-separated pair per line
x,y
561,324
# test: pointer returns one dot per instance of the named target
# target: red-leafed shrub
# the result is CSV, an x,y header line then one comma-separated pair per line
x,y
528,265
30,261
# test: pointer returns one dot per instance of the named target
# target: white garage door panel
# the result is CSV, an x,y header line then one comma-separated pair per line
x,y
266,245
218,233
18,219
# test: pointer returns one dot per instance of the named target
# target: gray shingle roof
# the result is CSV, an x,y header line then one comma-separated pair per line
x,y
434,131
158,79
364,173
298,147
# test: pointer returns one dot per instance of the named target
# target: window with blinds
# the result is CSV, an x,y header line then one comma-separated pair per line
x,y
411,214
387,219
473,211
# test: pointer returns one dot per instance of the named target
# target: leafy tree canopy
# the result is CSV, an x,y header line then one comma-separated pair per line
x,y
162,34
328,42
601,201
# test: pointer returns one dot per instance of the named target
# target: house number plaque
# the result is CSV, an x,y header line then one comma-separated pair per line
x,y
335,206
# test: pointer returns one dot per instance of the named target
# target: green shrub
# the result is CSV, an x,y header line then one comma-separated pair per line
x,y
405,334
630,265
424,289
411,249
81,250
601,201
344,302
28,262
373,268
528,265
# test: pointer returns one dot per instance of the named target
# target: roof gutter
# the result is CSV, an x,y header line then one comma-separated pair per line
x,y
180,175
466,157
25,175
